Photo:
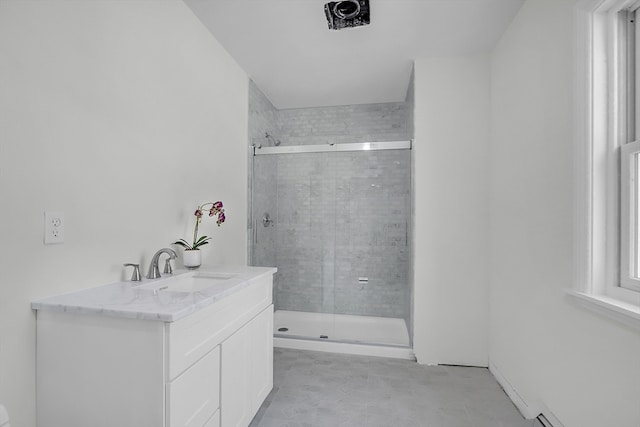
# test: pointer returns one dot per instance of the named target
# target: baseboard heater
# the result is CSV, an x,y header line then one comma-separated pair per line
x,y
542,421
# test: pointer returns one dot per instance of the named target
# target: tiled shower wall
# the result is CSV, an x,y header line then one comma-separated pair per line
x,y
338,216
344,124
263,118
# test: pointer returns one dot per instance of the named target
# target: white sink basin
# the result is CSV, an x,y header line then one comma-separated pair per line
x,y
193,282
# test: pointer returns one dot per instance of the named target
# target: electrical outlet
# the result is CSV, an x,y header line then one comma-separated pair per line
x,y
53,228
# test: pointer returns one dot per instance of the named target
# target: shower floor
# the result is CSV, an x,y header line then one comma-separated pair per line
x,y
341,328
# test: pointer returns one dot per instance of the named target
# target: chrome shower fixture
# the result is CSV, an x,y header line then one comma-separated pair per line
x,y
266,220
270,138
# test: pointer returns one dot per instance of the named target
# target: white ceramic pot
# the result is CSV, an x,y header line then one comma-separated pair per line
x,y
191,258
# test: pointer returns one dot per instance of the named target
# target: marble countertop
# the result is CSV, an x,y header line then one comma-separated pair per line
x,y
145,300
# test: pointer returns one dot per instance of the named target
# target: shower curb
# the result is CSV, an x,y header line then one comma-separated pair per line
x,y
345,348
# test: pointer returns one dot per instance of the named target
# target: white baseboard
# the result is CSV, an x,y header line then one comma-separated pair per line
x,y
528,410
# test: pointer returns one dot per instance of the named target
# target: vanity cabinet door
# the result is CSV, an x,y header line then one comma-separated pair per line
x,y
246,370
194,396
234,380
261,373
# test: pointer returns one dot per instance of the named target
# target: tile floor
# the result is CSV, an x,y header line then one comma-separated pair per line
x,y
314,389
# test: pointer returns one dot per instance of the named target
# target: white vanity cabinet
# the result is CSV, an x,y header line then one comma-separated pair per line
x,y
211,368
248,370
193,398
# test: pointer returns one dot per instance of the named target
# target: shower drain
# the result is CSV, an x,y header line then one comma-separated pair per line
x,y
283,329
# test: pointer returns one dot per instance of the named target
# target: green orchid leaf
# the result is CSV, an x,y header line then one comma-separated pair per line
x,y
197,245
182,243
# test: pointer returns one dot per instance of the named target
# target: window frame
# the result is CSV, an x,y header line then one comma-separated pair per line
x,y
629,215
600,128
629,146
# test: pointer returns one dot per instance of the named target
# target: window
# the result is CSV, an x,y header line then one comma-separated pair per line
x,y
608,157
629,148
629,217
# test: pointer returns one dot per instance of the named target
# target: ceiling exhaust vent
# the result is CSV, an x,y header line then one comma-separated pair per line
x,y
347,13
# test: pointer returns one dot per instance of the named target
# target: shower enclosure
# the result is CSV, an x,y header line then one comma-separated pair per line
x,y
335,220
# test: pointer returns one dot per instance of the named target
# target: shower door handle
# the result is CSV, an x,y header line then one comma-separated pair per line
x,y
406,233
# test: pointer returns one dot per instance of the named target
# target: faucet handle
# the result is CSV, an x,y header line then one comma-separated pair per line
x,y
136,277
167,266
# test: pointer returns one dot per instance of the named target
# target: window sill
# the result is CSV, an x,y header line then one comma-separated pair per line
x,y
624,312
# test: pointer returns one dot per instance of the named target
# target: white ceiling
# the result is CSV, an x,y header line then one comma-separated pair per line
x,y
288,51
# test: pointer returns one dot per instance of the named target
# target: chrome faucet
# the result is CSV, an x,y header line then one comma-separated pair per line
x,y
136,277
154,271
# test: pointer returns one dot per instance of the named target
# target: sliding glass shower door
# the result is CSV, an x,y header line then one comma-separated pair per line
x,y
373,205
336,225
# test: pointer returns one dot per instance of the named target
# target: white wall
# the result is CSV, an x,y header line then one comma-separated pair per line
x,y
583,367
125,115
451,210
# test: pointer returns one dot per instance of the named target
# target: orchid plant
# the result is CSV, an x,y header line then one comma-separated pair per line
x,y
214,209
